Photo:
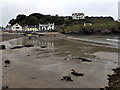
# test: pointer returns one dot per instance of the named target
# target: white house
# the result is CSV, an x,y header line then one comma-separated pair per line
x,y
8,28
46,27
78,16
32,28
88,24
16,27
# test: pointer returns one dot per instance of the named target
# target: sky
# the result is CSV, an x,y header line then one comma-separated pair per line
x,y
9,9
119,10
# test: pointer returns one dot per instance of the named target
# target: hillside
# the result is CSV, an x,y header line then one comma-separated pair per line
x,y
67,25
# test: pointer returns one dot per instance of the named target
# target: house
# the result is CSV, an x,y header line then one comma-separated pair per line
x,y
88,24
118,20
2,28
8,28
78,16
16,27
31,28
46,27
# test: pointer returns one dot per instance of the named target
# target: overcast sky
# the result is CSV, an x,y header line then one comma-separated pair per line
x,y
11,8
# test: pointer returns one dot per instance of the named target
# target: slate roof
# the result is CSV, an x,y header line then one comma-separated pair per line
x,y
78,14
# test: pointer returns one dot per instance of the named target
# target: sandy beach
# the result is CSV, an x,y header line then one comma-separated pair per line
x,y
37,67
5,37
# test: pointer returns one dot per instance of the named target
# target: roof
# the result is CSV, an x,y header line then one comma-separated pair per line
x,y
8,26
78,14
32,26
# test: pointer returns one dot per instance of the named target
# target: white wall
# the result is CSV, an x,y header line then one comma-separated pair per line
x,y
78,17
16,27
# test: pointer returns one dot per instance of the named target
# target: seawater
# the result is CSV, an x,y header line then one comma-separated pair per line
x,y
108,41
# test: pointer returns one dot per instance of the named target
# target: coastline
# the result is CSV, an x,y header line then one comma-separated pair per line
x,y
48,65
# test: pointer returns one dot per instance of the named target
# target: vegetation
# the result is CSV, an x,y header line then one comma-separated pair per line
x,y
36,18
69,26
105,27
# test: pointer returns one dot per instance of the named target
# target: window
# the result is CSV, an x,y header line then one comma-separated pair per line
x,y
17,28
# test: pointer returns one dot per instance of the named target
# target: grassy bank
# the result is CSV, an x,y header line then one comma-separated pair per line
x,y
97,28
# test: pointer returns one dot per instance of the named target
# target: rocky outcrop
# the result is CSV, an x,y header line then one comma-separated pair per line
x,y
2,47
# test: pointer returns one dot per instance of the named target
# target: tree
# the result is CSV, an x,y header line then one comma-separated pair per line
x,y
32,20
12,21
21,17
37,15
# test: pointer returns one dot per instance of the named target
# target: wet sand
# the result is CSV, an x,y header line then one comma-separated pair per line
x,y
5,37
37,67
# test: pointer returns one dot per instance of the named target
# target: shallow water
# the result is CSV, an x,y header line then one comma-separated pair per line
x,y
68,46
110,41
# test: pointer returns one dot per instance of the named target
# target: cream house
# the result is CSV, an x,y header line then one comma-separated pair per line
x,y
78,16
16,27
32,28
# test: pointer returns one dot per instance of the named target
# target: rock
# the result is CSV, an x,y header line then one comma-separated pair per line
x,y
7,61
115,62
2,47
5,66
84,59
5,86
28,46
102,89
5,73
43,46
28,55
15,47
33,77
76,73
67,78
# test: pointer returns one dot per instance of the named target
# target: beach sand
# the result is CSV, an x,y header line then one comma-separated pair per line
x,y
5,37
37,67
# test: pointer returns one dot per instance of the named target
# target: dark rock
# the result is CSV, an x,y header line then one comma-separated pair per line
x,y
28,46
5,86
28,55
15,47
84,59
2,47
114,80
7,61
102,89
76,73
67,78
115,62
43,46
5,73
33,77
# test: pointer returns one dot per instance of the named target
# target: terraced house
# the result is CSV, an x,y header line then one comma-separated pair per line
x,y
32,28
46,27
